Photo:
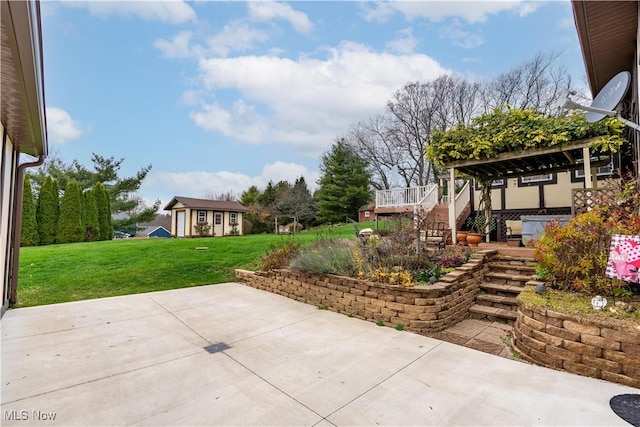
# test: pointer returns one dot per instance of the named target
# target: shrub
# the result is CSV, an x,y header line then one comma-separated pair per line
x,y
576,254
280,256
575,257
333,257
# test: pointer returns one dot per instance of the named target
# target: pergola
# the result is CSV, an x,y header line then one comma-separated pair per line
x,y
572,156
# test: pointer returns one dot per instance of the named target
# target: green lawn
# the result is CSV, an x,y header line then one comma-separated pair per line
x,y
78,271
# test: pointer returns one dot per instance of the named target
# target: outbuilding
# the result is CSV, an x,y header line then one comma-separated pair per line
x,y
204,217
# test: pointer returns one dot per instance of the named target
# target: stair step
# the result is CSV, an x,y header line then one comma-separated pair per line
x,y
497,299
508,277
493,313
517,267
497,288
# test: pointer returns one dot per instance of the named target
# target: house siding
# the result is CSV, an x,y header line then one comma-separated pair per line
x,y
7,217
191,219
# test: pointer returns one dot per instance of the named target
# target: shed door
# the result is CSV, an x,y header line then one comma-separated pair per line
x,y
217,224
180,223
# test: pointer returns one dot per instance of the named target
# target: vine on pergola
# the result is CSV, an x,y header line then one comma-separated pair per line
x,y
511,130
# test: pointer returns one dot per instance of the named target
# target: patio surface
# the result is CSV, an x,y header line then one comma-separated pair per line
x,y
141,360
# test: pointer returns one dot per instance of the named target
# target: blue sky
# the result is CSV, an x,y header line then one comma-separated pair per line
x,y
218,96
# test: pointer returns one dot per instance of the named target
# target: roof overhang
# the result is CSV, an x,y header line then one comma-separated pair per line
x,y
22,106
532,162
607,34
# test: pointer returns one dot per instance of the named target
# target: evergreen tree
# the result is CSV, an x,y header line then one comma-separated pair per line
x,y
70,228
92,226
343,186
47,211
29,231
104,211
105,170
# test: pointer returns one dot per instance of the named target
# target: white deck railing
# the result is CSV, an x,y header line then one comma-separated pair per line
x,y
400,197
463,197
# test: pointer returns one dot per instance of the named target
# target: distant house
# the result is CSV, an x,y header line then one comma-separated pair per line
x,y
203,217
366,212
154,231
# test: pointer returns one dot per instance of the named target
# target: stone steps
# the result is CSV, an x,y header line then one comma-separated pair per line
x,y
502,284
483,312
497,301
501,289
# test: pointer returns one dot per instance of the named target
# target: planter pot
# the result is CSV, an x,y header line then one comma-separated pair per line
x,y
513,242
474,239
461,237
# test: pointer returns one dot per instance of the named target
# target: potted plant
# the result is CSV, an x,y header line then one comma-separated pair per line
x,y
477,226
461,237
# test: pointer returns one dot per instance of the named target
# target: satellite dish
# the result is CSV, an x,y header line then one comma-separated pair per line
x,y
610,96
606,100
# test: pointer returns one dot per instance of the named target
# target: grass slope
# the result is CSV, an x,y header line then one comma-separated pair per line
x,y
78,271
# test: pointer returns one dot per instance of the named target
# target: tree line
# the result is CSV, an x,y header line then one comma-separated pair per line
x,y
66,203
78,216
343,189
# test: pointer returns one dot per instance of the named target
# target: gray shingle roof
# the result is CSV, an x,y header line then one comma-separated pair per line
x,y
206,204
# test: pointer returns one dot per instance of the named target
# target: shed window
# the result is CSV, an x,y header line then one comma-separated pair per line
x,y
367,214
218,218
233,217
202,216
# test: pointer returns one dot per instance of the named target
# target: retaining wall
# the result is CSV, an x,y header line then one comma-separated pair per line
x,y
421,309
599,348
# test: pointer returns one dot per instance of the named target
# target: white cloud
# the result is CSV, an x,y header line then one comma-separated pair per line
x,y
169,11
235,37
405,42
270,10
307,102
179,46
470,10
460,37
165,185
61,127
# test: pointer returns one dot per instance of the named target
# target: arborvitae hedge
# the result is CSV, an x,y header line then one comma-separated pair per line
x,y
29,231
92,226
70,228
47,211
104,211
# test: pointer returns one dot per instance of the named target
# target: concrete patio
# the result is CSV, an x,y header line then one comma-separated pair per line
x,y
143,360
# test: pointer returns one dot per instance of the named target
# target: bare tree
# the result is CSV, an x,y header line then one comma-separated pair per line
x,y
371,140
397,140
229,196
538,83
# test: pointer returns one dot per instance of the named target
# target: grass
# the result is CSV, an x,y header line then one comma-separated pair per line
x,y
78,271
580,304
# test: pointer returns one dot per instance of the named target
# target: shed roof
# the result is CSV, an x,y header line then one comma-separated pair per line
x,y
206,204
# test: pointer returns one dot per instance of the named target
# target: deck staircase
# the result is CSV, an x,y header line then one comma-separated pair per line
x,y
503,282
428,198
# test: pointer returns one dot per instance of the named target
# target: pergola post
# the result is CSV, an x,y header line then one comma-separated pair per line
x,y
588,182
453,215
